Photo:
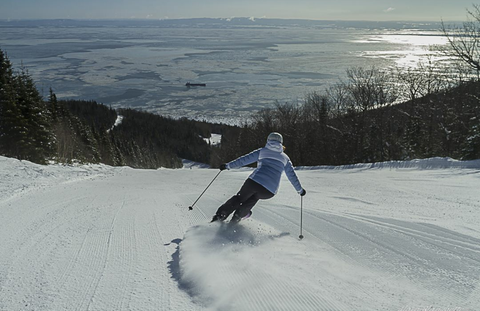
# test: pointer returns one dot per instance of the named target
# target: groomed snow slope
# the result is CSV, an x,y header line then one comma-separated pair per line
x,y
385,237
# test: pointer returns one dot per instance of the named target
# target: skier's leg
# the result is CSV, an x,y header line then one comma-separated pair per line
x,y
260,193
245,208
235,202
227,208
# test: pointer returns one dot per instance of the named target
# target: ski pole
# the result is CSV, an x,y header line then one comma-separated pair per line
x,y
301,218
191,206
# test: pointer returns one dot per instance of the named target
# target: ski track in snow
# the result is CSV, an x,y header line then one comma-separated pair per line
x,y
101,238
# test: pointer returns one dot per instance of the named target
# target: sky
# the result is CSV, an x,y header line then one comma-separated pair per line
x,y
374,10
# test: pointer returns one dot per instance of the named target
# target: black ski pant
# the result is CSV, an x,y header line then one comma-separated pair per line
x,y
245,199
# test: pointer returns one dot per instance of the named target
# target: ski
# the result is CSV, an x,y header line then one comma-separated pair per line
x,y
233,220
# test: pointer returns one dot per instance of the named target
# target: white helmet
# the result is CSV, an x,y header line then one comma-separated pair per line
x,y
275,137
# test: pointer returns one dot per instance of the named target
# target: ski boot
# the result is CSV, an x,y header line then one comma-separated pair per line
x,y
236,219
218,217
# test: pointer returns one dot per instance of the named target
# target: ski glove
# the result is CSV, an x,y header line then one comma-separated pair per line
x,y
223,167
303,192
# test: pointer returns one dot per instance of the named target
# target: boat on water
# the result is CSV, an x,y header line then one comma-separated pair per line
x,y
195,84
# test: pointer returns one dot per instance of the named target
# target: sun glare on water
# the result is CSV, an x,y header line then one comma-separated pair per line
x,y
408,50
424,40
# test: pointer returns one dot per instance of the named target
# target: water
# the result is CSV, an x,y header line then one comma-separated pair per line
x,y
245,65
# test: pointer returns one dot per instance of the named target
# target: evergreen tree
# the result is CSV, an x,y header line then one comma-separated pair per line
x,y
53,107
471,149
39,136
13,126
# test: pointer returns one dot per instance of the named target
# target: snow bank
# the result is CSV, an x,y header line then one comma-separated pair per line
x,y
424,164
214,140
421,164
191,164
19,176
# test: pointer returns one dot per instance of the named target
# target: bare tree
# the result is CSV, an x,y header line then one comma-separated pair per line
x,y
464,41
339,98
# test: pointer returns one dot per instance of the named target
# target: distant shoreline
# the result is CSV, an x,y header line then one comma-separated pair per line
x,y
234,22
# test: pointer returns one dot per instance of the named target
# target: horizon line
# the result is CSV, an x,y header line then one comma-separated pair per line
x,y
251,18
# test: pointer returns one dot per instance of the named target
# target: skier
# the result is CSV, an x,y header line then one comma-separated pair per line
x,y
263,183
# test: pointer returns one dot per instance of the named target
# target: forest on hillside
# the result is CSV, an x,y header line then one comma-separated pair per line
x,y
66,131
331,130
354,121
431,110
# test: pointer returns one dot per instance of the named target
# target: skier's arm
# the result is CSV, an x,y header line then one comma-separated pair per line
x,y
244,160
292,176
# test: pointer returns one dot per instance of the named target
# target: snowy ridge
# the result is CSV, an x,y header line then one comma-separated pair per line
x,y
430,163
19,176
423,164
191,164
118,121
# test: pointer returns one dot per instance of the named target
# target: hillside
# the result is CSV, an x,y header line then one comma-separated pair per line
x,y
361,120
377,237
66,131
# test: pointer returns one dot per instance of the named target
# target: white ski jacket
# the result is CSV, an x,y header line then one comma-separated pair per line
x,y
271,162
